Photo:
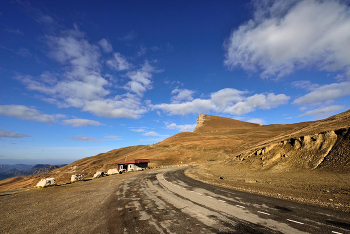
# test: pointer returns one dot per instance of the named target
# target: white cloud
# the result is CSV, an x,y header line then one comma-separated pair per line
x,y
81,122
305,84
226,97
105,45
142,51
152,133
325,93
227,101
140,79
289,35
137,129
124,106
129,37
182,95
90,139
82,86
324,111
256,120
11,134
26,113
195,106
14,31
118,62
182,128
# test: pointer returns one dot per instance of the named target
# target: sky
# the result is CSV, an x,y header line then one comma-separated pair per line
x,y
79,78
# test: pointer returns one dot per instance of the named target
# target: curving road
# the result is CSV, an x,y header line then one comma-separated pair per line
x,y
158,201
166,201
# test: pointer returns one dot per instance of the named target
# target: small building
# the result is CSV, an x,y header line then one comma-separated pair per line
x,y
133,165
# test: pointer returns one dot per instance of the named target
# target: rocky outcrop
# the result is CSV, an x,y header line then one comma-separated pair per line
x,y
113,171
77,177
201,119
99,174
46,182
305,152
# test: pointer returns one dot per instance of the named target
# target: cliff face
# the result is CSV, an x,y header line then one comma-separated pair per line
x,y
326,150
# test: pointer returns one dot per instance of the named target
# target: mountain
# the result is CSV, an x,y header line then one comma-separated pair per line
x,y
8,171
231,145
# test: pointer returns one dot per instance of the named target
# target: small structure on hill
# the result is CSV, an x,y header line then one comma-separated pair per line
x,y
133,165
46,182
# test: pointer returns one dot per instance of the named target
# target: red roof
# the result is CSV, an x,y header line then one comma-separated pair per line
x,y
135,161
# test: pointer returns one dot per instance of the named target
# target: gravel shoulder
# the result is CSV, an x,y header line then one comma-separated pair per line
x,y
73,208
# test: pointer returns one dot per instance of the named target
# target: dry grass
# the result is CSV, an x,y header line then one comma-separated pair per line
x,y
217,144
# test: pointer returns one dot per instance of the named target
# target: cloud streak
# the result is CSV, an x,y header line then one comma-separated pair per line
x,y
324,111
11,134
26,113
91,139
80,122
325,93
182,128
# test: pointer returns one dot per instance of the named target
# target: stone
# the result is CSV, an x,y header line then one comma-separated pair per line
x,y
99,174
77,177
46,182
113,171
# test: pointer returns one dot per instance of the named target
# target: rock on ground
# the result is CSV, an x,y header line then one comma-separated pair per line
x,y
46,182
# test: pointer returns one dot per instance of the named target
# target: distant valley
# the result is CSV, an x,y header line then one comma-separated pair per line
x,y
12,170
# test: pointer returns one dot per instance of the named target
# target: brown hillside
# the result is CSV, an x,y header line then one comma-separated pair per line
x,y
231,145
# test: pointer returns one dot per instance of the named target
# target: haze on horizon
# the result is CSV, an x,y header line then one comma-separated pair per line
x,y
81,78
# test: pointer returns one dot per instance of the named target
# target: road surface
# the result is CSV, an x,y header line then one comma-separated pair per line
x,y
158,201
166,201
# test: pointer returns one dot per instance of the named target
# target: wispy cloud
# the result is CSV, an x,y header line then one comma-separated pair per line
x,y
152,133
81,122
14,31
105,45
129,37
256,120
182,95
11,134
90,139
285,36
118,63
21,51
182,128
27,113
137,129
324,111
325,93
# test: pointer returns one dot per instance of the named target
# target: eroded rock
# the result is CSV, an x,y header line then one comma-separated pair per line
x,y
77,177
46,182
99,174
113,171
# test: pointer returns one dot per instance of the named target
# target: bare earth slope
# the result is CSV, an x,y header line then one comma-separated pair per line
x,y
286,158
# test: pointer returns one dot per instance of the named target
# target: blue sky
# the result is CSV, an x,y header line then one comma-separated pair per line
x,y
80,78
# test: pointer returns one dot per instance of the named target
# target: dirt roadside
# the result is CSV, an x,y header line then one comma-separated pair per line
x,y
73,208
330,190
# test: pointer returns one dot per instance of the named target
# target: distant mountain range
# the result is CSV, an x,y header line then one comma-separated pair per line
x,y
8,171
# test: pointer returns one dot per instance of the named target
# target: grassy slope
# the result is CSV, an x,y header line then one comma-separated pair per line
x,y
214,144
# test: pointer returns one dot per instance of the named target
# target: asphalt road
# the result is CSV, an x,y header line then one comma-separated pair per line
x,y
166,201
158,201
